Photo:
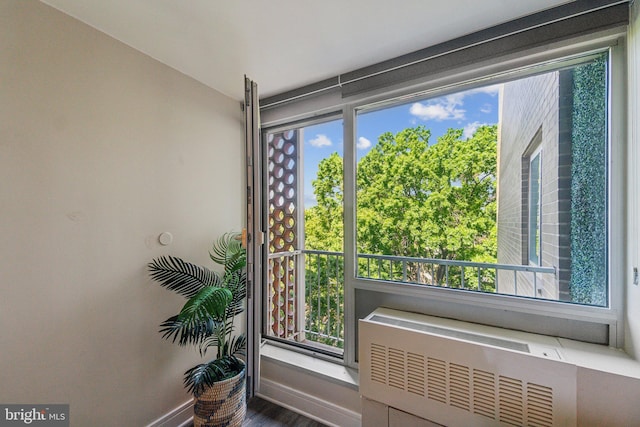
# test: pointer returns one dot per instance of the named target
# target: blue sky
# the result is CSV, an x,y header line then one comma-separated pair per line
x,y
463,110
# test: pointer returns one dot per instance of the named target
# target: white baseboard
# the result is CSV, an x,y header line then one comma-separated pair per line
x,y
179,417
308,405
287,397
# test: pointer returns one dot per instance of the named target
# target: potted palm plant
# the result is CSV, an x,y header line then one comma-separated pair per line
x,y
206,320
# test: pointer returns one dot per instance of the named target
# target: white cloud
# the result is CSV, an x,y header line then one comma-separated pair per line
x,y
449,107
455,99
440,109
321,141
363,143
470,129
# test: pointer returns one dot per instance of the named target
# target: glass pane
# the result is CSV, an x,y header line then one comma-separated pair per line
x,y
534,210
306,261
451,192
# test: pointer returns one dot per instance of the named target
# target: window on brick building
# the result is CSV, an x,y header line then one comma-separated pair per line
x,y
534,211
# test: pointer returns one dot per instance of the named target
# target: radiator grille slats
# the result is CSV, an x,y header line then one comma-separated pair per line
x,y
459,390
415,373
437,380
539,405
510,401
378,363
484,393
396,368
480,392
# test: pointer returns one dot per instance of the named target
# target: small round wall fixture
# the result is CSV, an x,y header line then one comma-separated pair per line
x,y
165,238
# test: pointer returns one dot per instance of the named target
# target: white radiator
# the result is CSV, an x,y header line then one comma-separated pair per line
x,y
461,374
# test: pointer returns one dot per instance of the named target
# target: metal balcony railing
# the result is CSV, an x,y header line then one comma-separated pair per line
x,y
324,302
316,288
469,275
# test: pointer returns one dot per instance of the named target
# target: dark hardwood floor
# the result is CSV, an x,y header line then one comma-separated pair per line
x,y
263,413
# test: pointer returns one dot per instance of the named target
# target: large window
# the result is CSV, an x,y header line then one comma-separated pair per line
x,y
439,194
485,198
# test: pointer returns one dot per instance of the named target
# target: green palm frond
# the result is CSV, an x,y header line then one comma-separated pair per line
x,y
219,250
217,338
236,256
238,345
210,302
228,252
202,316
187,334
237,283
181,276
207,342
198,378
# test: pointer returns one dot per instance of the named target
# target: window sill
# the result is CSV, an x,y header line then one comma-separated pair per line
x,y
325,369
600,358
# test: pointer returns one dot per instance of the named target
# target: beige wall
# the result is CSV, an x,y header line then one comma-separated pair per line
x,y
607,399
101,150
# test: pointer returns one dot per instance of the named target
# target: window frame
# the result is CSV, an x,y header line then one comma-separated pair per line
x,y
537,245
265,131
465,303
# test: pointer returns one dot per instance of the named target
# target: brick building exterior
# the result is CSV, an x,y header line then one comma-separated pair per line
x,y
535,121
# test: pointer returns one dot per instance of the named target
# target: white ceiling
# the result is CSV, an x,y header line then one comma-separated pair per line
x,y
284,44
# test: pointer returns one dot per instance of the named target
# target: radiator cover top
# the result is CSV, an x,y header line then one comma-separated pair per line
x,y
462,377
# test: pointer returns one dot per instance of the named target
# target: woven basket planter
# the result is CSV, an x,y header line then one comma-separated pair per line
x,y
224,404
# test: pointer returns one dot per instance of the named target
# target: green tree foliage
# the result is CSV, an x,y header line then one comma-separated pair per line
x,y
323,222
414,199
429,201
